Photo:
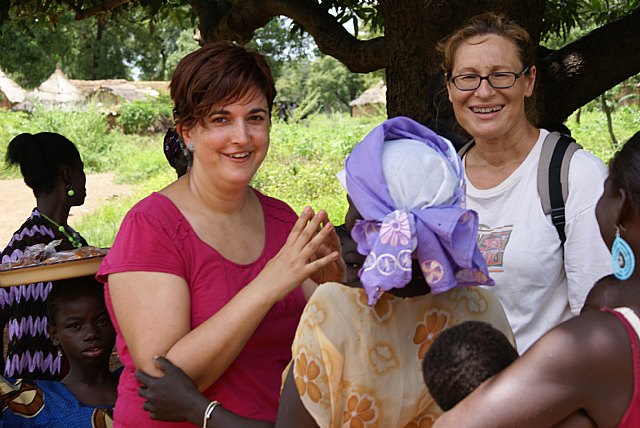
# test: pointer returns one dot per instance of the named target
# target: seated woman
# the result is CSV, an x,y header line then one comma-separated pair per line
x,y
358,349
79,326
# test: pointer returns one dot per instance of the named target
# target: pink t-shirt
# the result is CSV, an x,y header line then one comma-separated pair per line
x,y
156,237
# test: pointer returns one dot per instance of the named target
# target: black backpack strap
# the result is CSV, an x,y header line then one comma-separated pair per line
x,y
553,177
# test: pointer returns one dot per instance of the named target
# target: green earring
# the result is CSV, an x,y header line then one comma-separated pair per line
x,y
70,191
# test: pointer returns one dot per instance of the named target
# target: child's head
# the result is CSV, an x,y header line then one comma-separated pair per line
x,y
78,320
461,358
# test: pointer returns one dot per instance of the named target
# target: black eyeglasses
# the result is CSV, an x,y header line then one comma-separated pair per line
x,y
497,80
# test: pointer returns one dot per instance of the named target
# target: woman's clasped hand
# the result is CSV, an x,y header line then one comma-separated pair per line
x,y
299,258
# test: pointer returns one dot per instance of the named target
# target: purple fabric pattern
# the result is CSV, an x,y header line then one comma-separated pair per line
x,y
442,238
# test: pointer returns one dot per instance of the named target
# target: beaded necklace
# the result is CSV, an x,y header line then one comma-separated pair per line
x,y
74,239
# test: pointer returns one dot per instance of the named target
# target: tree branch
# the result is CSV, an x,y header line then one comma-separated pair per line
x,y
331,37
71,5
97,9
582,70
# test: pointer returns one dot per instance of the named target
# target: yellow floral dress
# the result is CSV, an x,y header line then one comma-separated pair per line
x,y
356,366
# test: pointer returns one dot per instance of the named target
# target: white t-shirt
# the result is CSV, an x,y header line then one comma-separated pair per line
x,y
536,285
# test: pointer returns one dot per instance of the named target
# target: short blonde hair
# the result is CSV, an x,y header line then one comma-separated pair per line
x,y
484,24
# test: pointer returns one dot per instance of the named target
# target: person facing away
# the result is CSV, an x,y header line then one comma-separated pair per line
x,y
461,358
590,363
79,327
490,74
467,354
208,271
176,152
51,166
358,348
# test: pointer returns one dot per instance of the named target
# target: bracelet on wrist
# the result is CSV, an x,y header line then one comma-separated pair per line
x,y
208,411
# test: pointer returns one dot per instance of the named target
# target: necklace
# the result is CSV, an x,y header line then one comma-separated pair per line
x,y
74,239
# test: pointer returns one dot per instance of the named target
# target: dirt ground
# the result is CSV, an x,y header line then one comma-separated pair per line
x,y
17,201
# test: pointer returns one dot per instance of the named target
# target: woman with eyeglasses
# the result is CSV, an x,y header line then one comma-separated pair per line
x,y
490,72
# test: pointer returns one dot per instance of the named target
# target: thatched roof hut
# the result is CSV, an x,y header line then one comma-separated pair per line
x,y
10,92
115,91
56,90
373,101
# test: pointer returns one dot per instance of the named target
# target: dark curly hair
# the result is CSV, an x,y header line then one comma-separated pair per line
x,y
41,158
624,169
461,358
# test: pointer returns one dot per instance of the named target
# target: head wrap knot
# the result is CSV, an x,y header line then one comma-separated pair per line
x,y
408,185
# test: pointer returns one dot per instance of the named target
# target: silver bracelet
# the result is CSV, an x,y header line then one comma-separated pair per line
x,y
209,410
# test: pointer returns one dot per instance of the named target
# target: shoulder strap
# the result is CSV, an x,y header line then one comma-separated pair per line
x,y
553,177
464,149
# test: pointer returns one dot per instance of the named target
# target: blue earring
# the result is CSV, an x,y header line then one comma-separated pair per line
x,y
623,262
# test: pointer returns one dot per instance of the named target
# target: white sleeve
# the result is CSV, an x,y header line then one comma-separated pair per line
x,y
586,257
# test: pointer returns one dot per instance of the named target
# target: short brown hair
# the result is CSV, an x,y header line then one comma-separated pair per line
x,y
484,24
216,73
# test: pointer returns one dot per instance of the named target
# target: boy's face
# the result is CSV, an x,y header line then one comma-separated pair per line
x,y
352,258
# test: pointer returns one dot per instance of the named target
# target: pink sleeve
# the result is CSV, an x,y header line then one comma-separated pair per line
x,y
146,242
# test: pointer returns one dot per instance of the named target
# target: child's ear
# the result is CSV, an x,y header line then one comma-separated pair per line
x,y
53,335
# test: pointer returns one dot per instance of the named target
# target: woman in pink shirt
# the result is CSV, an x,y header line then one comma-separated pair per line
x,y
208,271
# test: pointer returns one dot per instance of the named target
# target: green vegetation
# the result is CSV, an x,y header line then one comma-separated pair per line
x,y
299,169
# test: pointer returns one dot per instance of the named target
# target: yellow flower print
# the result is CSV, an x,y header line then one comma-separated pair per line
x,y
422,422
360,412
434,322
383,358
383,308
304,375
314,315
475,302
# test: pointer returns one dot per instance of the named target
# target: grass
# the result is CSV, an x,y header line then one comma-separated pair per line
x,y
299,169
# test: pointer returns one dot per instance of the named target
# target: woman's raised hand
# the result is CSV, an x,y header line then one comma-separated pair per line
x,y
309,249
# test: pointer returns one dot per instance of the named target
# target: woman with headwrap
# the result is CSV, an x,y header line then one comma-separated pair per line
x,y
358,350
52,168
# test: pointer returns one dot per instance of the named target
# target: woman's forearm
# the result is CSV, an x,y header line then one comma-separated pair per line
x,y
207,351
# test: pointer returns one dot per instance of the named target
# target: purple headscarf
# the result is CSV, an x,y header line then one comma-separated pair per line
x,y
441,237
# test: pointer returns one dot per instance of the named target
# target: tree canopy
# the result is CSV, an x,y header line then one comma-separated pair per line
x,y
569,76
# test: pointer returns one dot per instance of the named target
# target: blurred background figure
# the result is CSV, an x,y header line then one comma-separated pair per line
x,y
176,153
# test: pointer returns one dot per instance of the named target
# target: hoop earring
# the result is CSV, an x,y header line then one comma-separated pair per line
x,y
70,191
623,262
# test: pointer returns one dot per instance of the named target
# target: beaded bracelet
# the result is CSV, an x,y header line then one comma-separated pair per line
x,y
209,410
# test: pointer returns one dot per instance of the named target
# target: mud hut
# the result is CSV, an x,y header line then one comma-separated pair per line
x,y
10,92
373,101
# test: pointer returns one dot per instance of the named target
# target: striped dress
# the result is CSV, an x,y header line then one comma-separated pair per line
x,y
30,353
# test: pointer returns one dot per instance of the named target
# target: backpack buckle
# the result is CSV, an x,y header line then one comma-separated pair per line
x,y
557,216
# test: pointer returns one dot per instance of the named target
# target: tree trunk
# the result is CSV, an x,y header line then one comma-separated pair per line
x,y
95,65
607,113
567,78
